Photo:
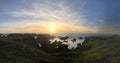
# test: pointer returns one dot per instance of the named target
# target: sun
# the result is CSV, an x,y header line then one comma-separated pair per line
x,y
52,29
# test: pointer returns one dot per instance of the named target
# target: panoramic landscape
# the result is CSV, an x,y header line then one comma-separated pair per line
x,y
59,31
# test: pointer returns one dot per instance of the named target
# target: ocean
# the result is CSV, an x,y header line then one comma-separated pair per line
x,y
74,39
76,35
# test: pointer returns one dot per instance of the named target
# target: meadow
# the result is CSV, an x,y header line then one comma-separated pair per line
x,y
24,48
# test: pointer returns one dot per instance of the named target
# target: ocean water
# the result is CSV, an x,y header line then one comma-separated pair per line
x,y
71,40
74,39
82,34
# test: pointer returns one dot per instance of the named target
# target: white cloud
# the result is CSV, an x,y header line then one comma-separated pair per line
x,y
101,21
51,11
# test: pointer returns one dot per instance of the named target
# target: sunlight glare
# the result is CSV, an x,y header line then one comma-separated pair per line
x,y
52,29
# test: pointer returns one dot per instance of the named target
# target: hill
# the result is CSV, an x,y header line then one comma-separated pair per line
x,y
24,48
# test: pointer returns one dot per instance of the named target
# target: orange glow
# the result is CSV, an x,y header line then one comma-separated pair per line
x,y
52,29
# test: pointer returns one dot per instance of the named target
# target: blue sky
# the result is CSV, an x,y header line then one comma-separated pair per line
x,y
81,16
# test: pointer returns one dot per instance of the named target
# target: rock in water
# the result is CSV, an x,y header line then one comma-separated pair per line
x,y
35,37
39,44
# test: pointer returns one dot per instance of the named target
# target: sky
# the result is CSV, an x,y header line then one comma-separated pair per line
x,y
67,16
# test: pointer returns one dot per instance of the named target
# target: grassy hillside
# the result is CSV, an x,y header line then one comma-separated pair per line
x,y
23,48
103,50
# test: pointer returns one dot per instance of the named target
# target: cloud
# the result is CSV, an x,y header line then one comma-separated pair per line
x,y
101,21
55,12
50,11
70,14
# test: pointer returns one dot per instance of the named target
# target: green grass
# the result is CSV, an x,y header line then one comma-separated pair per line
x,y
22,49
103,50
